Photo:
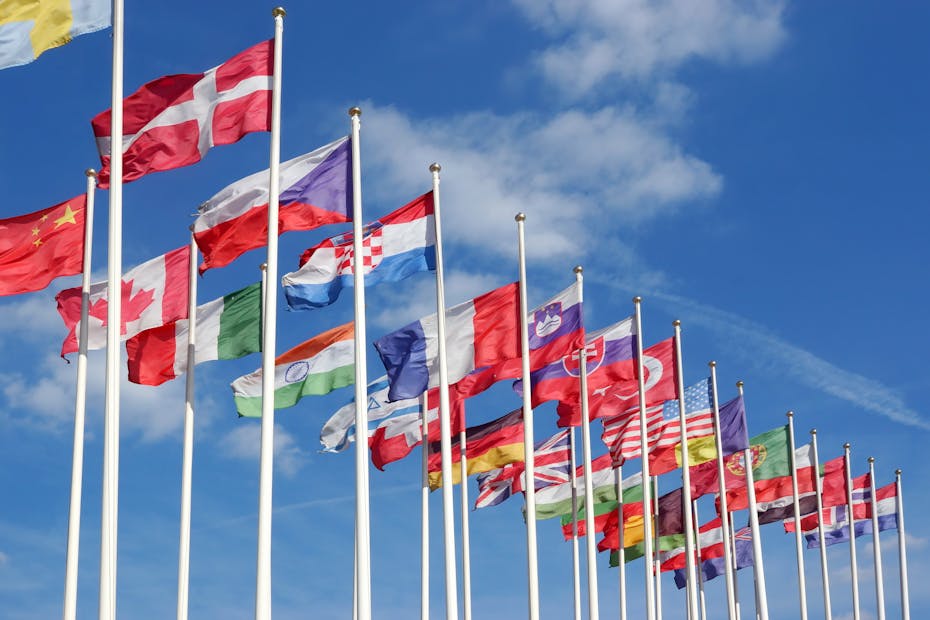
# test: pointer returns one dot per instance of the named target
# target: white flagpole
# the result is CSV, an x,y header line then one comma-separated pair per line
x,y
852,533
80,398
731,536
362,530
445,423
685,480
266,461
621,549
466,552
876,546
902,547
184,547
590,546
109,513
824,571
762,604
576,568
798,536
528,453
657,562
644,450
724,511
424,511
700,571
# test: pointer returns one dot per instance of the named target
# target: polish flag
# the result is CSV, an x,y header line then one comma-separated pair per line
x,y
172,121
154,293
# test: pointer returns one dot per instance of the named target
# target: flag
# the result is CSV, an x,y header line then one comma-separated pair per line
x,y
153,294
552,458
316,190
601,514
339,431
833,482
670,515
709,542
634,552
396,246
482,332
770,454
633,530
734,438
30,27
38,247
172,121
782,507
556,500
227,329
487,446
318,366
835,517
836,523
715,567
665,455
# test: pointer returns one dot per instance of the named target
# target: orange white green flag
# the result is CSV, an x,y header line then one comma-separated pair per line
x,y
316,367
30,27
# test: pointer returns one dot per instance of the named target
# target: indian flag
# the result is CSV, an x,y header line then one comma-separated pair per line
x,y
316,367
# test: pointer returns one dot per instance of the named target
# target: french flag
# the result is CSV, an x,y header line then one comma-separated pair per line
x,y
316,190
394,247
482,332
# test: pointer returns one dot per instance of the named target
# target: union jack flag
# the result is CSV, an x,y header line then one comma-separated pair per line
x,y
552,465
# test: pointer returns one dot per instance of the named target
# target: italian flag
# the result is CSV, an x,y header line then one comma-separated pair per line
x,y
316,367
227,328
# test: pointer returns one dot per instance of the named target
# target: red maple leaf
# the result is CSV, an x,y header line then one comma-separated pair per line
x,y
132,305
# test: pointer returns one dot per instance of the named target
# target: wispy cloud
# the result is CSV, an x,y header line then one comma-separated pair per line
x,y
244,442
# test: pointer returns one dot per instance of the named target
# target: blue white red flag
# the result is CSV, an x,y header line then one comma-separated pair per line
x,y
715,567
394,247
836,518
339,430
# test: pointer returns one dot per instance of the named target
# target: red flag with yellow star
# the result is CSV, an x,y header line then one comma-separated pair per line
x,y
39,247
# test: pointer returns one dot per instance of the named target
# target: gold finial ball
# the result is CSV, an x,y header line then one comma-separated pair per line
x,y
355,111
434,167
846,446
637,299
897,472
790,414
578,269
739,384
263,266
520,217
90,172
712,364
676,323
813,431
871,459
278,11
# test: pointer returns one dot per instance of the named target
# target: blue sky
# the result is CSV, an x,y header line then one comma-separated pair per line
x,y
757,170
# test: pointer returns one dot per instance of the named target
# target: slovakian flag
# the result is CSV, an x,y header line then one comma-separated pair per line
x,y
153,294
174,120
394,247
227,328
480,333
316,190
38,247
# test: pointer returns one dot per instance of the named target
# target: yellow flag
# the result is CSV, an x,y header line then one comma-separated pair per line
x,y
30,27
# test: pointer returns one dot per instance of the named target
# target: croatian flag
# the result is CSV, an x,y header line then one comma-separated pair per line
x,y
482,332
394,247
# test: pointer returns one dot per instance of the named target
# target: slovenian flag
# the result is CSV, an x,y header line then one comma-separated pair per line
x,y
394,247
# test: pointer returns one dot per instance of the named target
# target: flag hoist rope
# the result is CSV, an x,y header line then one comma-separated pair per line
x,y
796,514
762,605
876,546
80,399
824,569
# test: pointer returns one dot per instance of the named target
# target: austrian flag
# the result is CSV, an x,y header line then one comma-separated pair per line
x,y
172,121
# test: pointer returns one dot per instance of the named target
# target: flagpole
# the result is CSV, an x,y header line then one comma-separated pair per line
x,y
644,451
621,549
876,546
466,552
657,562
798,536
184,548
110,497
80,399
757,565
852,533
528,452
685,479
724,512
266,463
576,568
590,546
424,511
902,547
445,423
731,537
824,571
700,572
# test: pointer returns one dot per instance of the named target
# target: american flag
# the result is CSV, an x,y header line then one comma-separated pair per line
x,y
552,465
622,433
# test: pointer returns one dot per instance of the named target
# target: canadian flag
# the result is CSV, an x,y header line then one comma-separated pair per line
x,y
154,293
172,121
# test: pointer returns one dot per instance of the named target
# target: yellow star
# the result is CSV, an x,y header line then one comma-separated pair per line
x,y
37,242
67,217
44,217
35,231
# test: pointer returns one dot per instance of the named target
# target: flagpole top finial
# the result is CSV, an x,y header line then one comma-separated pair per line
x,y
676,323
712,364
637,299
871,459
897,472
813,431
578,269
355,111
278,11
739,384
846,446
435,167
520,217
790,414
263,267
90,172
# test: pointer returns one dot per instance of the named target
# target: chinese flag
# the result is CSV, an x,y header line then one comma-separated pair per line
x,y
39,247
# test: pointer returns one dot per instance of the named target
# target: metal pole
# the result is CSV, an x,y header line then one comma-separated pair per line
x,y
576,568
876,546
466,551
621,549
758,568
644,450
724,514
798,536
424,511
824,571
902,548
657,561
852,533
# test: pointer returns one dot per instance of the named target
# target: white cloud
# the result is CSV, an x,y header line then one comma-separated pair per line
x,y
244,442
4,558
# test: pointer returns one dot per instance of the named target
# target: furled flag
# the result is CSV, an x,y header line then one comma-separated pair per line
x,y
782,507
552,466
556,500
339,431
396,246
30,27
734,438
770,469
172,121
836,519
227,329
665,456
715,567
316,190
622,437
153,294
38,247
318,366
482,332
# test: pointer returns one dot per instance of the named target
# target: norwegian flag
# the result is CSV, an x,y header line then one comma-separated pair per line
x,y
552,466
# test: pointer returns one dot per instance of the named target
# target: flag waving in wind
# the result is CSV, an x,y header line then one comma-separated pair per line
x,y
30,27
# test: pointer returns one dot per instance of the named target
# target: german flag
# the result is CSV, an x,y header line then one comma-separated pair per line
x,y
487,446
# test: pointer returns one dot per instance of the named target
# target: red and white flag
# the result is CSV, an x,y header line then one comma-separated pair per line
x,y
154,293
172,121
